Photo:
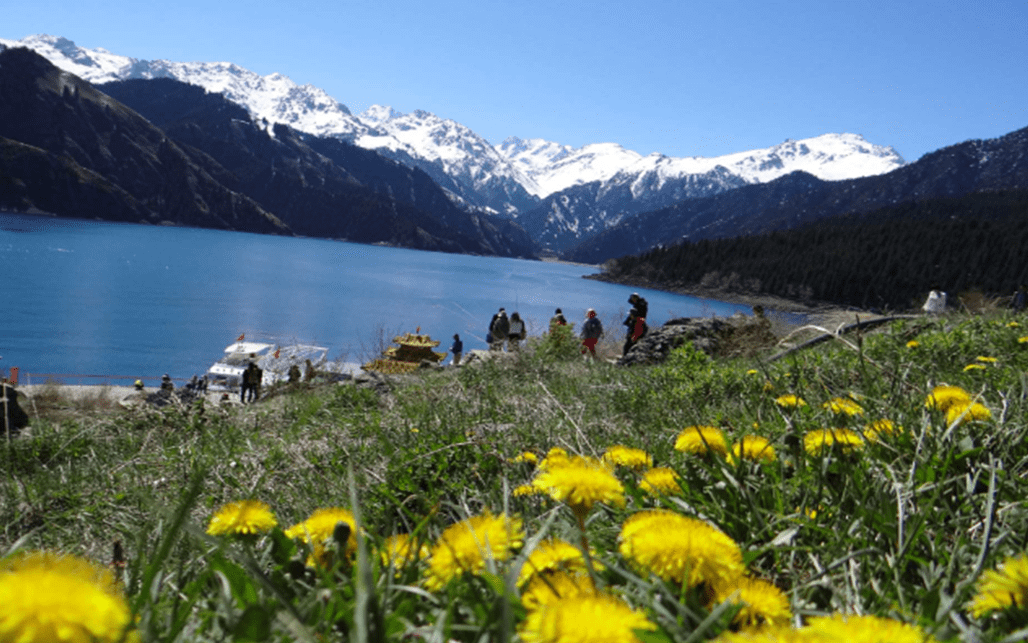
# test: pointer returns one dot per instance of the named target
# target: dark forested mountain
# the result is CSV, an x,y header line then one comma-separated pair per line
x,y
71,150
74,151
799,198
889,258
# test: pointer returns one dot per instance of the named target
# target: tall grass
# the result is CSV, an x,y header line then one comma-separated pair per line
x,y
901,526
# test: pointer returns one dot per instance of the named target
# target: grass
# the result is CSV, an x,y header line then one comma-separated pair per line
x,y
899,527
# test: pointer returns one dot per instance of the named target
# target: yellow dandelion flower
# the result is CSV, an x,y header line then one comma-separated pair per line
x,y
816,442
47,597
523,490
546,588
878,428
680,549
554,457
467,546
790,401
581,482
400,550
754,448
552,555
527,457
244,517
768,386
863,629
660,481
753,371
986,360
1002,588
1013,324
843,406
1022,340
974,367
620,455
942,397
763,603
318,531
913,343
596,618
701,440
771,634
969,412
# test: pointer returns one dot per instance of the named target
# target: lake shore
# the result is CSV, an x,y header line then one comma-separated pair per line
x,y
823,314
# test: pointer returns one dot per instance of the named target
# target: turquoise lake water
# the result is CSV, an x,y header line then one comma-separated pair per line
x,y
125,301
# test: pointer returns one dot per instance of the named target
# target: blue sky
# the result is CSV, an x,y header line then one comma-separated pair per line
x,y
676,77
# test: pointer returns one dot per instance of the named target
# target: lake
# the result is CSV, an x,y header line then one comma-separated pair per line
x,y
121,301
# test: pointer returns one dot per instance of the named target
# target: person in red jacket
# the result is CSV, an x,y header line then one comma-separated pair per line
x,y
635,325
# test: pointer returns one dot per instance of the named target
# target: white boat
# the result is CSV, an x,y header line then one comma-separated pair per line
x,y
274,359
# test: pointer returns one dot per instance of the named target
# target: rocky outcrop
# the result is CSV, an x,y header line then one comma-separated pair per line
x,y
715,336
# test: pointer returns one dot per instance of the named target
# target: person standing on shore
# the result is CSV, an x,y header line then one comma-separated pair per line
x,y
516,332
557,319
457,349
635,328
255,384
592,330
499,328
640,304
244,382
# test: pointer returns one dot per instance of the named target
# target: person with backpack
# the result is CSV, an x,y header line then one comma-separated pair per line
x,y
640,304
557,319
499,328
592,330
516,332
636,328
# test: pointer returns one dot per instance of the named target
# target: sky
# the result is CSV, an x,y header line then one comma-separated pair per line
x,y
681,78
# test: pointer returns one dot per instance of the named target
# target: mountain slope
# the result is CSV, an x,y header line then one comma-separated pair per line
x,y
73,151
798,198
320,186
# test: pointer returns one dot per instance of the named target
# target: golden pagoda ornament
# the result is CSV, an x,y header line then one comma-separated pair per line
x,y
412,349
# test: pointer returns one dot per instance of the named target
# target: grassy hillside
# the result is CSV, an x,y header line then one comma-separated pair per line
x,y
852,491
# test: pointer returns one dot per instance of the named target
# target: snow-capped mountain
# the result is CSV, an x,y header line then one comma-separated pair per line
x,y
557,192
274,97
830,157
597,186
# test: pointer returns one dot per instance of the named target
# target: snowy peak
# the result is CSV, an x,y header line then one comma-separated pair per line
x,y
378,114
273,97
555,167
830,157
92,65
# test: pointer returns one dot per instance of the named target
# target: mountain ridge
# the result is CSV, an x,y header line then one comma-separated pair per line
x,y
476,173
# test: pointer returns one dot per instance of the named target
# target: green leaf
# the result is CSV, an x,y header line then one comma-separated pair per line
x,y
253,625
